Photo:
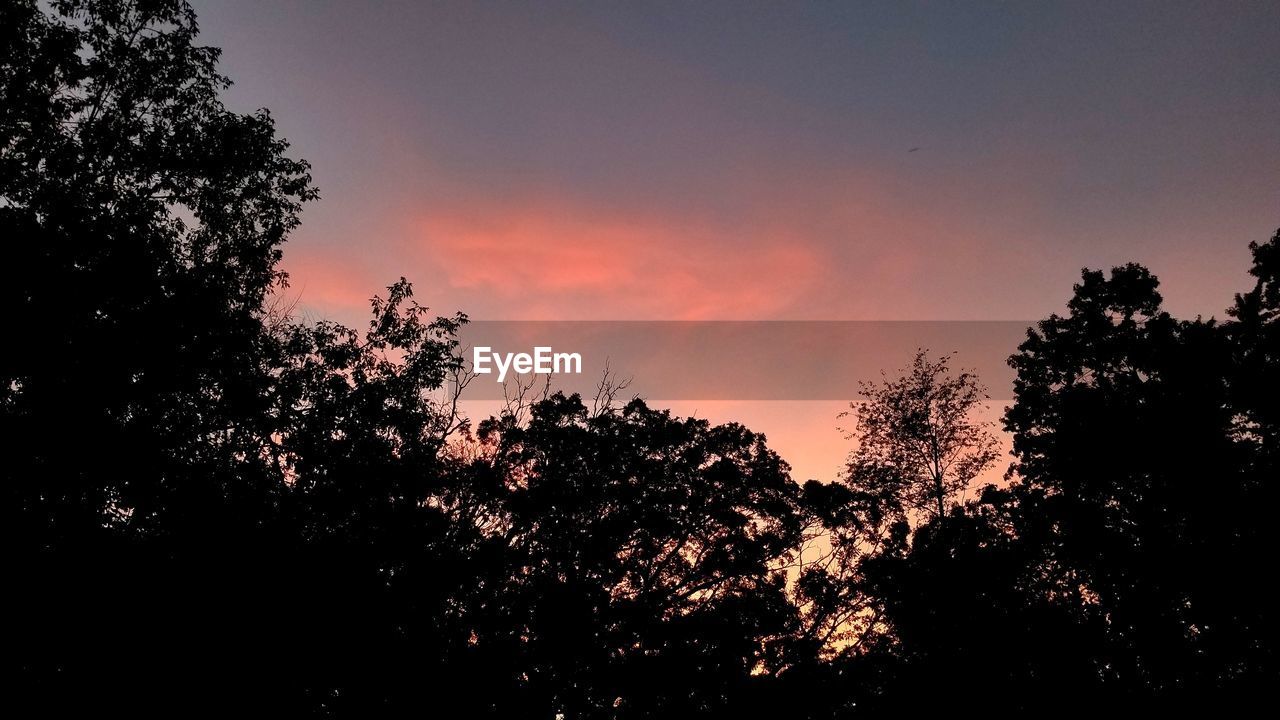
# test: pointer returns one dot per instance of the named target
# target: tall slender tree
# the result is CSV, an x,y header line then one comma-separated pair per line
x,y
918,435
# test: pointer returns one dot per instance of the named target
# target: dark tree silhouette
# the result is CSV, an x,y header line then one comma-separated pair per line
x,y
210,506
965,630
1123,435
649,551
920,445
143,223
203,505
1118,568
142,329
918,437
1254,392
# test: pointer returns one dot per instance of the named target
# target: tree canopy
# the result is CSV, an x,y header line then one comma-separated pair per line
x,y
210,504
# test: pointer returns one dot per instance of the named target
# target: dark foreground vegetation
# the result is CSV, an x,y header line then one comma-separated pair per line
x,y
211,508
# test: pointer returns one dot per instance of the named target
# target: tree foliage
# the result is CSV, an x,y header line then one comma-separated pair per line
x,y
649,551
919,439
920,445
207,504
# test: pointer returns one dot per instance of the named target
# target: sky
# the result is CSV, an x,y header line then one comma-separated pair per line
x,y
748,161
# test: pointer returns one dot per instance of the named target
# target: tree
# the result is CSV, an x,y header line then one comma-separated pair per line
x,y
206,503
377,565
918,438
919,448
648,553
1254,396
1133,479
967,627
144,222
1254,333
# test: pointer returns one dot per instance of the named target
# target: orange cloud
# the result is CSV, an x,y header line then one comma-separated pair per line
x,y
780,243
562,261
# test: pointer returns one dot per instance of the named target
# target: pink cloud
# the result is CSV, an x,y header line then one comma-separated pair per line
x,y
540,256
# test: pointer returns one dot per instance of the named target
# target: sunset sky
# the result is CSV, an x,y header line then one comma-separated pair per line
x,y
766,160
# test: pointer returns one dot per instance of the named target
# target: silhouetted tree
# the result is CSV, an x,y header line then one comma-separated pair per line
x,y
967,628
209,505
1133,476
920,445
1254,391
649,550
204,506
1118,568
143,223
918,437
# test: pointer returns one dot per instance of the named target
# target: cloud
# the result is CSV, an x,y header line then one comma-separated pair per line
x,y
564,260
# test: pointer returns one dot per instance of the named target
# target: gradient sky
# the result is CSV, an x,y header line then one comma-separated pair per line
x,y
751,160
